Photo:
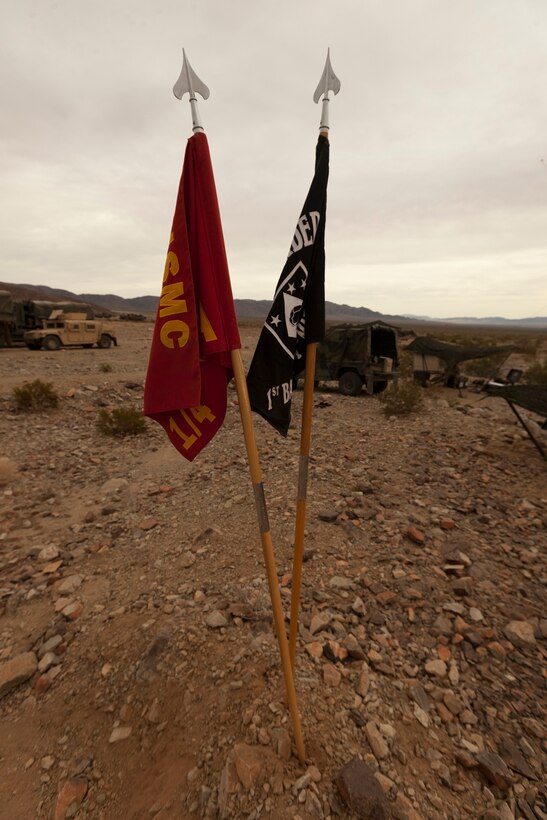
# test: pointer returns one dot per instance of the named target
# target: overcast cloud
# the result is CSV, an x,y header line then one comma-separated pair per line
x,y
437,192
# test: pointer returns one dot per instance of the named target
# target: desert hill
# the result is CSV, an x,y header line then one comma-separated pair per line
x,y
257,309
248,308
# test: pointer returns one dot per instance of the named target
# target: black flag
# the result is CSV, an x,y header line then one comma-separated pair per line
x,y
297,315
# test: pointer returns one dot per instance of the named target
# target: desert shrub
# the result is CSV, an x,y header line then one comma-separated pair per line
x,y
403,399
406,364
488,366
122,421
35,396
105,367
132,317
536,374
529,345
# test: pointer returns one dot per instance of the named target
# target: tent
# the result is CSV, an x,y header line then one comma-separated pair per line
x,y
432,357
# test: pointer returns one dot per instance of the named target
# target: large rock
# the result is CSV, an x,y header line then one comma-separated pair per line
x,y
363,681
248,761
494,768
354,648
69,798
403,809
69,584
361,791
119,733
216,620
114,486
331,675
436,668
8,470
377,743
48,553
319,621
17,671
515,760
341,582
229,784
520,633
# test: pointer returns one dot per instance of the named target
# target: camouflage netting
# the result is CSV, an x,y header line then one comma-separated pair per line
x,y
354,342
42,309
532,397
454,354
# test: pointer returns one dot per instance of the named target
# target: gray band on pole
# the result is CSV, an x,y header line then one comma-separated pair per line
x,y
261,510
303,478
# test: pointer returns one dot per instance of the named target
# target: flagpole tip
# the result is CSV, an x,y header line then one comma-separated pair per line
x,y
328,82
189,82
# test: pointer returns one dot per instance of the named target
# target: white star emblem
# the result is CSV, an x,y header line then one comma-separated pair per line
x,y
291,288
275,320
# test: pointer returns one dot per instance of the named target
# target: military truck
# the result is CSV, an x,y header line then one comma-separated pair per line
x,y
70,330
358,356
6,318
17,316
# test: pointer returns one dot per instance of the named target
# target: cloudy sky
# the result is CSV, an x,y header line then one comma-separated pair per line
x,y
438,188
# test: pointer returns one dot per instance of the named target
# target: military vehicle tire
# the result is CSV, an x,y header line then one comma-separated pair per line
x,y
350,383
105,341
51,343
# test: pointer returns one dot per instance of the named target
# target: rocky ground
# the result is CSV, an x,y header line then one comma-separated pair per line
x,y
139,674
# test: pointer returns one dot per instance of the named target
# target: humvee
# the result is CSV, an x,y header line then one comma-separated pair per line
x,y
358,355
70,330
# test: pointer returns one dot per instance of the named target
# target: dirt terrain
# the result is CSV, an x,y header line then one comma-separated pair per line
x,y
139,673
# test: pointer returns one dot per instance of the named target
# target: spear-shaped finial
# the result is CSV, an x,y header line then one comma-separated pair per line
x,y
189,81
328,82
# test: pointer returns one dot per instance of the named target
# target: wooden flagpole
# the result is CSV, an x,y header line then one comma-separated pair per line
x,y
301,498
328,82
267,548
189,82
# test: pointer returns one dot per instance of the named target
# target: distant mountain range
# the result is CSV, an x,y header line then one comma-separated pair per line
x,y
532,321
253,308
258,308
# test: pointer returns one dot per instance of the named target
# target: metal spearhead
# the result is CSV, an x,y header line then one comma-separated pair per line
x,y
328,82
189,81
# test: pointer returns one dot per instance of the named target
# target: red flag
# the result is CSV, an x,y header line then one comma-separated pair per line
x,y
189,366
